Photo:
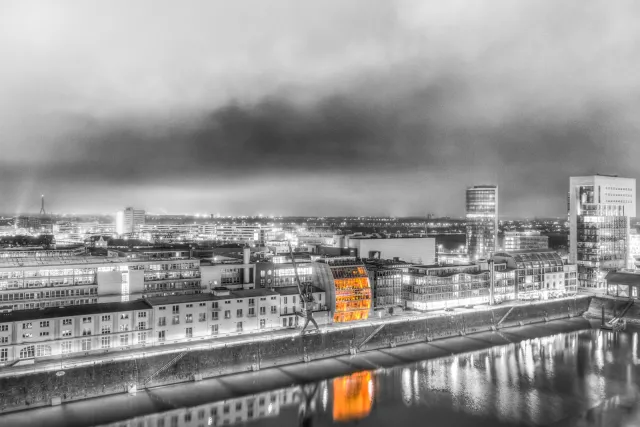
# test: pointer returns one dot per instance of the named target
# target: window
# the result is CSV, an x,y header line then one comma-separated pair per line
x,y
4,355
239,312
44,324
124,340
214,329
27,335
124,328
239,327
86,320
252,302
225,409
86,332
227,314
263,311
189,318
4,328
106,341
44,334
142,314
285,300
161,335
188,333
189,305
4,340
214,304
28,352
284,310
214,315
176,309
238,406
124,316
66,333
86,344
227,302
66,322
162,308
142,337
262,323
27,326
202,317
176,319
162,321
43,350
106,329
142,325
274,309
294,299
106,318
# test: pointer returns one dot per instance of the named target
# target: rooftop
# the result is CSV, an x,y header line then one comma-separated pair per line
x,y
293,290
72,310
623,278
235,294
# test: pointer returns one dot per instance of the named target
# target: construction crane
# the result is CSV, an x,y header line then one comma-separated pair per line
x,y
306,297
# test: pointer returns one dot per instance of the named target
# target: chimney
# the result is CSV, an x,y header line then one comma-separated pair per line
x,y
246,258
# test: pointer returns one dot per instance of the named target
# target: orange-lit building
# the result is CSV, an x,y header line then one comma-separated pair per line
x,y
352,396
346,283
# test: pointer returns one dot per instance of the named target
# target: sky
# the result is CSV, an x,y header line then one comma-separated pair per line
x,y
289,107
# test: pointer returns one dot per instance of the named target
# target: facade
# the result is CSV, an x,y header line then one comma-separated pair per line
x,y
84,329
634,249
623,284
27,335
600,208
540,274
386,282
415,250
129,220
523,240
482,221
346,283
251,234
277,275
290,305
27,283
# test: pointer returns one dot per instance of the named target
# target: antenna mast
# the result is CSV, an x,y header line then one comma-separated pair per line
x,y
42,211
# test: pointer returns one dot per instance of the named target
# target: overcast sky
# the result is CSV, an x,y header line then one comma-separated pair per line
x,y
314,107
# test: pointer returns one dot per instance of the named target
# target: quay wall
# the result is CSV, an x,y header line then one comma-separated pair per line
x,y
39,389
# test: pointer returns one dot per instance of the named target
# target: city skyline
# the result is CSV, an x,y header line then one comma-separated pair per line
x,y
315,111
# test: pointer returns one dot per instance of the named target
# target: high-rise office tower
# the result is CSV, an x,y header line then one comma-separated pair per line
x,y
600,208
129,220
482,221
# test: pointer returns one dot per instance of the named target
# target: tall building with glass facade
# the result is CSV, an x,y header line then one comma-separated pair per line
x,y
600,208
482,221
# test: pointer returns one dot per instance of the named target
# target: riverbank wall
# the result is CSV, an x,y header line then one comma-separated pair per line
x,y
45,388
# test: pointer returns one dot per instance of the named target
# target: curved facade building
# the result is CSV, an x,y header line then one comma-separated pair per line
x,y
346,283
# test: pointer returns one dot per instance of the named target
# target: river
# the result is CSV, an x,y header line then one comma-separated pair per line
x,y
578,378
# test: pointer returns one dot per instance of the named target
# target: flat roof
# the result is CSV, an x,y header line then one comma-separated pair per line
x,y
233,294
623,278
72,310
79,261
293,290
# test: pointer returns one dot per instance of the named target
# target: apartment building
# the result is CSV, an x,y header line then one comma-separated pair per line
x,y
540,274
385,277
220,313
290,304
81,329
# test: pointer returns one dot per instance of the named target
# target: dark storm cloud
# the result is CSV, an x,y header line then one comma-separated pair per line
x,y
244,106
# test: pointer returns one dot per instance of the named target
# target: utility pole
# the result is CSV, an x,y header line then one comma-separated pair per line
x,y
42,211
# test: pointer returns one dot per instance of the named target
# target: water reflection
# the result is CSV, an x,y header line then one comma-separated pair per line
x,y
587,378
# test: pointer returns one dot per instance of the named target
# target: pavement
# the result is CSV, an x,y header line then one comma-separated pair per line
x,y
61,364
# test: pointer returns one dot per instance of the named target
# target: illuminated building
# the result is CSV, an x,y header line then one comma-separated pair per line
x,y
275,275
129,220
96,328
385,277
346,283
27,283
624,284
540,274
290,304
482,221
352,396
521,240
600,208
252,234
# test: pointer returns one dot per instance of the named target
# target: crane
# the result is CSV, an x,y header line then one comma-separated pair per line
x,y
306,297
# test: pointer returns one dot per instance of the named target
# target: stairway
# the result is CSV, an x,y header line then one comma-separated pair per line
x,y
371,335
163,368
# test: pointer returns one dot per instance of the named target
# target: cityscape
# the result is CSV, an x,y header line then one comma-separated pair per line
x,y
317,215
